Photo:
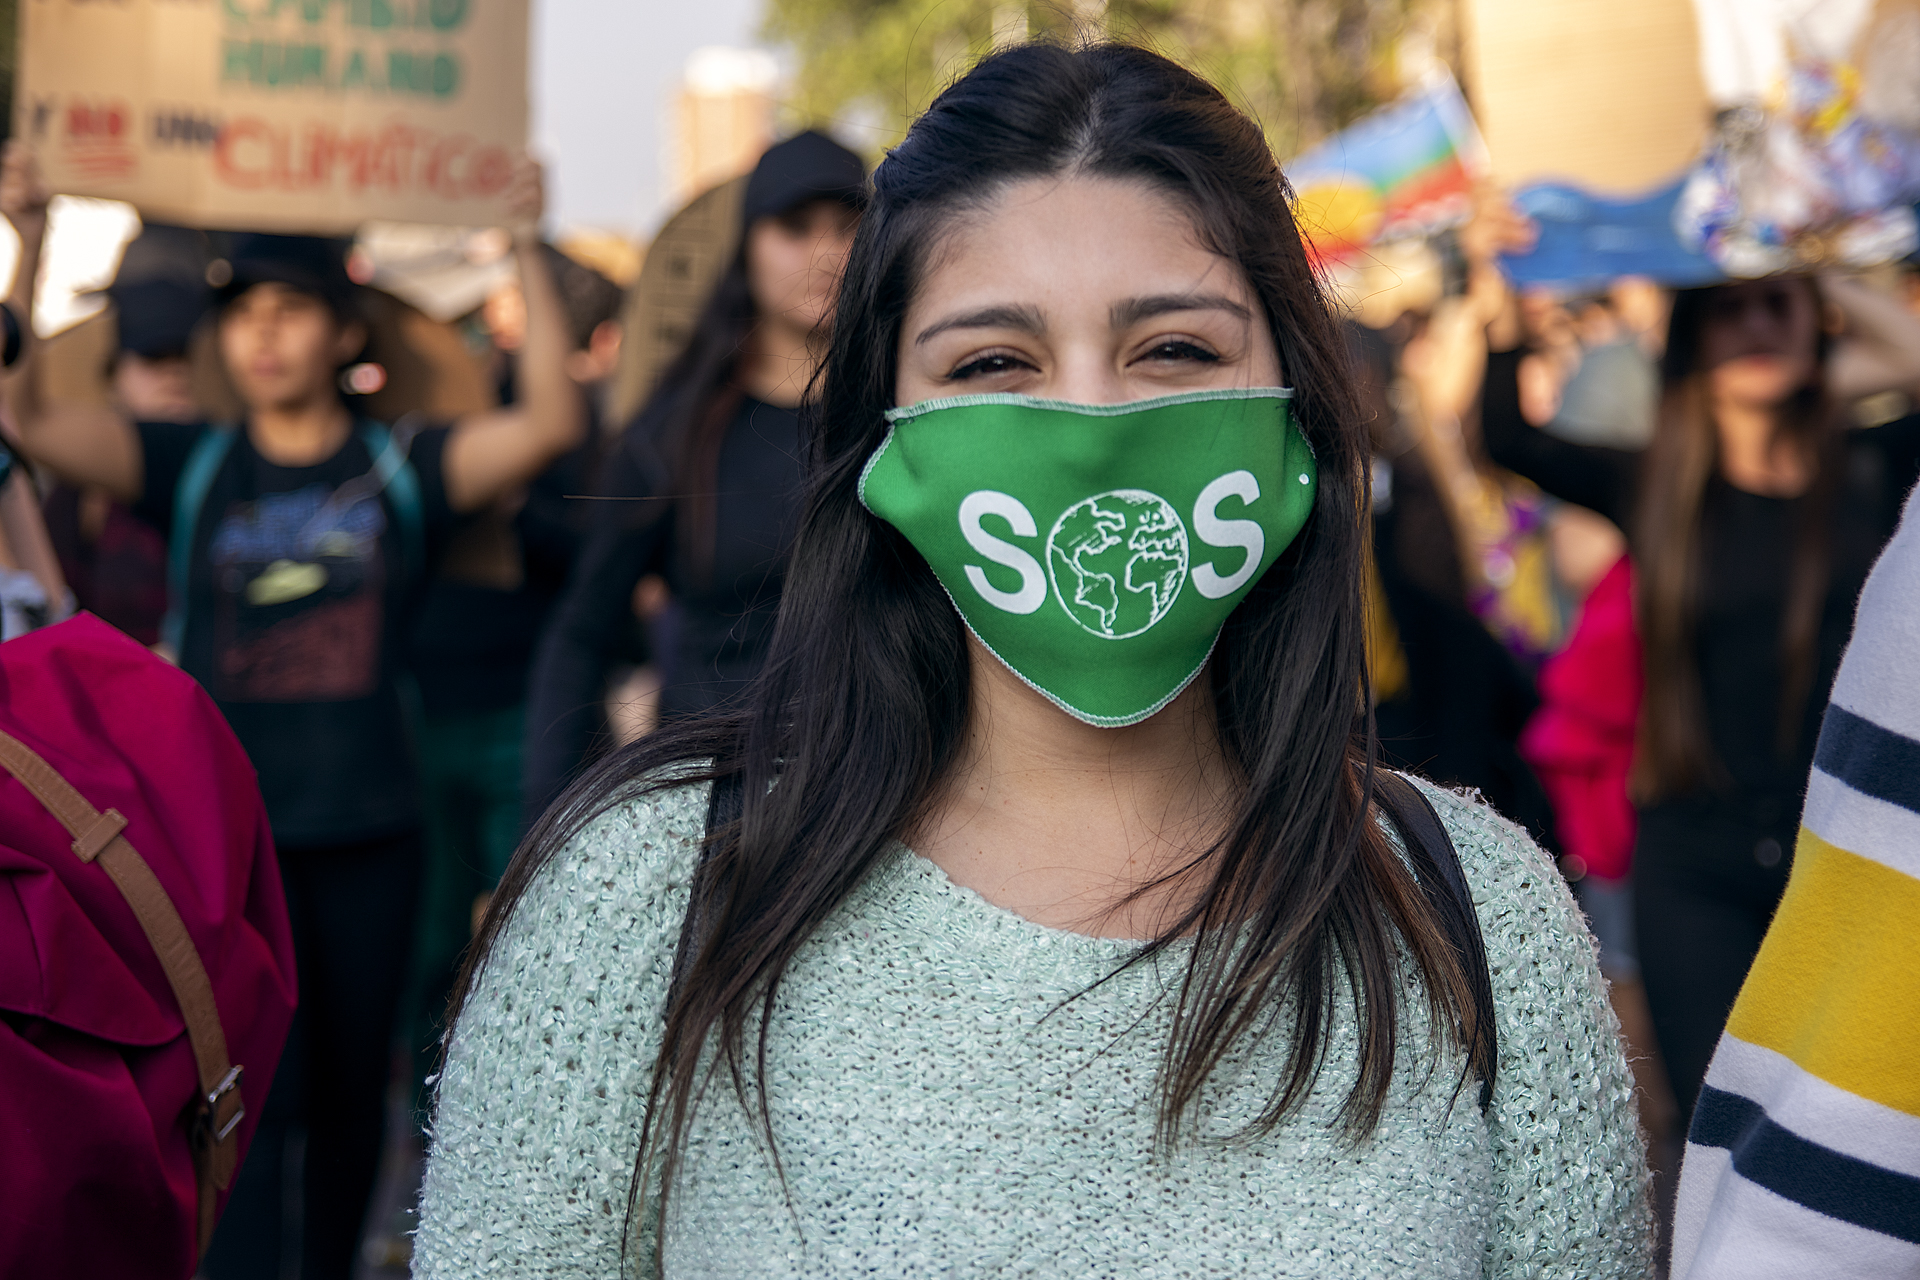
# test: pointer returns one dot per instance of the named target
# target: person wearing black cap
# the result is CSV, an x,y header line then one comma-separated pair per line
x,y
151,374
116,562
704,488
299,542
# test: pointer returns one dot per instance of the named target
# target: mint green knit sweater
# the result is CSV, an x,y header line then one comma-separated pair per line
x,y
940,1108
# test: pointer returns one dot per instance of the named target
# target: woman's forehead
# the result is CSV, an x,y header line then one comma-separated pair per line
x,y
1743,292
1074,239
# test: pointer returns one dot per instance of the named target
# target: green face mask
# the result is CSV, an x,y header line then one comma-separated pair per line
x,y
1097,550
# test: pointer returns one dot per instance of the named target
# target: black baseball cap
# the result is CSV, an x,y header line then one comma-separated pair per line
x,y
808,166
311,264
160,290
156,318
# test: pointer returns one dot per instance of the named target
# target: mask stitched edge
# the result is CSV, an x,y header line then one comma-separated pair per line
x,y
922,407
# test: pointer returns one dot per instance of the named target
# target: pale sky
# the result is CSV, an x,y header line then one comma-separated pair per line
x,y
603,75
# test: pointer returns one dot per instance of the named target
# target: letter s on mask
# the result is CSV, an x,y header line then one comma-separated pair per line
x,y
1227,533
1033,583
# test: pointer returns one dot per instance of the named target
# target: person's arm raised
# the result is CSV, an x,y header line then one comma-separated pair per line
x,y
84,444
490,454
1881,349
1496,229
23,532
1601,480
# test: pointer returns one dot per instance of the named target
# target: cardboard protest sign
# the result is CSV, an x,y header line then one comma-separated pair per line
x,y
292,115
1604,95
684,263
1406,169
1593,110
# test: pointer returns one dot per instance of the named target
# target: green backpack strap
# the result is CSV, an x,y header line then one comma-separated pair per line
x,y
390,464
189,496
402,485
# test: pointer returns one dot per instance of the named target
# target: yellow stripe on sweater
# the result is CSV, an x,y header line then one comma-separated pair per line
x,y
1836,986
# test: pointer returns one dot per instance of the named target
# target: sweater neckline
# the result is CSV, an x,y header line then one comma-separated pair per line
x,y
919,892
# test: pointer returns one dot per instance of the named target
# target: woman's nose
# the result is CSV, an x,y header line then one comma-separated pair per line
x,y
1758,318
1086,376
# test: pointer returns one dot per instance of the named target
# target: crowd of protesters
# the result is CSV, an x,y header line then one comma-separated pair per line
x,y
1594,558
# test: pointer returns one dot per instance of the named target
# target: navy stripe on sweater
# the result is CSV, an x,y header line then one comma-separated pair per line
x,y
1804,1172
1870,759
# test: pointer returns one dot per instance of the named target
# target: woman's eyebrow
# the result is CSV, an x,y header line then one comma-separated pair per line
x,y
1006,316
1123,315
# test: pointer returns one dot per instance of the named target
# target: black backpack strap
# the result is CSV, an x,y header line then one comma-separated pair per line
x,y
1436,865
725,803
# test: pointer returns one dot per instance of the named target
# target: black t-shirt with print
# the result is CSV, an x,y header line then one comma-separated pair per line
x,y
298,602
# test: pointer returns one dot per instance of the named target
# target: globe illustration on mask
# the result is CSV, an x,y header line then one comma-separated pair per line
x,y
1118,561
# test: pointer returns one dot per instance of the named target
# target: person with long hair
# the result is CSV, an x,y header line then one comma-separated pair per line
x,y
1753,518
704,488
1041,908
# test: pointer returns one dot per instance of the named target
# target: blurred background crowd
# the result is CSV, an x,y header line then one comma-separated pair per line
x,y
1632,296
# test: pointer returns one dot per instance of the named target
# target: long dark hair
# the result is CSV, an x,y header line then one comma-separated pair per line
x,y
1674,753
679,429
862,708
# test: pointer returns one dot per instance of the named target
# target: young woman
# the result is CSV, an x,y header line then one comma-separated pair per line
x,y
705,488
1753,518
300,542
1057,932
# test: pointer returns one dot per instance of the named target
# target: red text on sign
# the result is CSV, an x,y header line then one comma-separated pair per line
x,y
251,154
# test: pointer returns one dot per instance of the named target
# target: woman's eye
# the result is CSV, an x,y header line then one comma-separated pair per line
x,y
1179,349
986,366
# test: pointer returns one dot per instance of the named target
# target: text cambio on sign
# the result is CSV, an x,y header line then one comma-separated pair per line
x,y
276,115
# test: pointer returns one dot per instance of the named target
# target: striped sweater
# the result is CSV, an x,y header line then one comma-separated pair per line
x,y
1804,1156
